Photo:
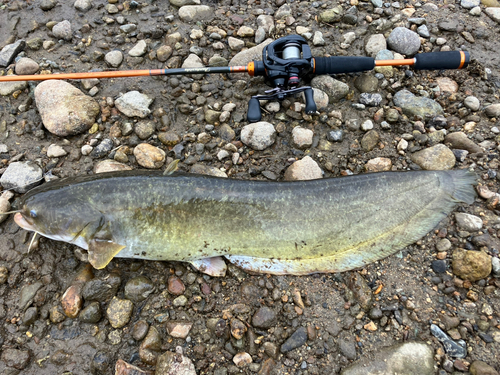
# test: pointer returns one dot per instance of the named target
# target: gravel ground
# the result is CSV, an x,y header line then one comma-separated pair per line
x,y
431,308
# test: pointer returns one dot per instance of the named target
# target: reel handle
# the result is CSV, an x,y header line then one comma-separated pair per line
x,y
254,113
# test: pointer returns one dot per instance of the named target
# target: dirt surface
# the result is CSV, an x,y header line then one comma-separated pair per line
x,y
337,308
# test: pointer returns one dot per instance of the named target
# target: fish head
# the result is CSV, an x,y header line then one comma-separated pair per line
x,y
56,217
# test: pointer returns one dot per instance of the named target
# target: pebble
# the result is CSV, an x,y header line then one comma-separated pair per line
x,y
8,88
396,359
101,289
423,31
481,368
195,13
370,100
124,368
109,165
335,89
452,348
320,98
119,312
347,348
443,245
318,39
175,286
259,135
65,110
335,135
493,110
331,15
55,151
367,125
179,330
170,363
103,148
62,30
493,13
114,58
264,317
21,176
10,51
149,156
304,169
416,105
378,165
83,5
468,222
139,49
150,347
140,330
16,358
366,83
469,4
370,140
375,44
138,289
404,41
438,157
296,340
91,313
242,359
134,104
471,265
438,266
25,65
459,140
495,266
144,129
302,138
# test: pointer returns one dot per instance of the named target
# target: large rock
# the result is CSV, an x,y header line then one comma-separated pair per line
x,y
407,358
246,56
195,13
471,265
134,104
438,157
258,135
64,109
7,88
21,176
493,110
404,41
304,169
10,51
416,105
335,89
493,13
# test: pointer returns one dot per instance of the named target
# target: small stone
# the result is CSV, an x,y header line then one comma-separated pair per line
x,y
469,223
331,15
235,44
423,31
134,104
91,314
25,66
144,129
367,125
46,5
416,106
447,85
139,49
347,348
174,363
149,156
62,30
459,140
101,289
109,165
21,176
493,110
481,368
119,312
175,286
55,151
335,135
124,368
495,266
16,358
493,13
258,135
443,245
83,5
370,100
195,13
163,53
150,347
103,148
245,31
179,330
304,169
242,359
114,58
438,157
264,317
404,41
296,340
140,330
302,138
318,39
138,289
8,88
471,265
370,140
366,83
375,43
378,165
438,266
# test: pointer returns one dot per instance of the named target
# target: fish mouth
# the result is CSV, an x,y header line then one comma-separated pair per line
x,y
22,222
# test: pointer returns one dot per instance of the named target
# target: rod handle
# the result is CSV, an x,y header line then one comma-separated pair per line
x,y
254,113
442,60
342,64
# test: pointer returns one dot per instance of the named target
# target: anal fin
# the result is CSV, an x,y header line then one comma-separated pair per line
x,y
101,252
211,266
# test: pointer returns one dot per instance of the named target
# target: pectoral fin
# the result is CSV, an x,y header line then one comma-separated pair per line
x,y
102,251
215,266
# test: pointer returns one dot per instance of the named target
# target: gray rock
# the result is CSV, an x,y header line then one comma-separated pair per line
x,y
25,65
283,11
55,151
144,129
423,31
493,110
114,58
384,54
416,105
83,5
138,288
370,140
331,15
27,294
46,5
335,135
417,21
348,349
195,13
91,314
302,137
304,169
62,30
407,358
8,88
181,3
21,176
375,43
469,4
128,28
468,222
438,157
296,340
10,51
65,110
139,49
460,141
15,358
264,317
260,36
174,364
493,13
452,348
134,104
103,148
377,3
266,22
336,90
472,103
495,266
366,83
193,61
404,41
259,135
370,100
101,290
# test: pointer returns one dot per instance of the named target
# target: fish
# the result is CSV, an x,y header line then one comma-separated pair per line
x,y
298,227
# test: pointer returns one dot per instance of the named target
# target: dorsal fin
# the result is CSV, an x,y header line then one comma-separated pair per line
x,y
172,167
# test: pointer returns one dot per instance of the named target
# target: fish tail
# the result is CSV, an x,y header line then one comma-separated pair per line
x,y
462,185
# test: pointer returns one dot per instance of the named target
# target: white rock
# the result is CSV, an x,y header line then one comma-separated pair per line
x,y
55,151
402,145
304,169
258,135
235,44
242,359
302,138
222,154
367,125
86,150
114,58
468,222
139,49
134,104
472,103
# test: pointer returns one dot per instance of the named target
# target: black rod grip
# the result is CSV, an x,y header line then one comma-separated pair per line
x,y
342,64
254,114
310,104
442,60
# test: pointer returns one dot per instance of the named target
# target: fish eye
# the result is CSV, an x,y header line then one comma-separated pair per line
x,y
33,214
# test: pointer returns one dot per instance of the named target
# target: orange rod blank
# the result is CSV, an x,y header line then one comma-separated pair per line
x,y
394,62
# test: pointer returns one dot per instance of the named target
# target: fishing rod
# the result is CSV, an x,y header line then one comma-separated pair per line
x,y
284,63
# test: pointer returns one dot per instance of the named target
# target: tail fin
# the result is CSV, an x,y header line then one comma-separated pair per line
x,y
463,181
